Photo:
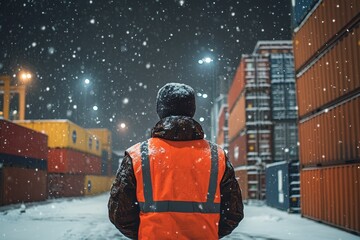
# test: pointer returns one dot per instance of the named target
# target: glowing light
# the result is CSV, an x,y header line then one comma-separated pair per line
x,y
87,81
95,108
122,125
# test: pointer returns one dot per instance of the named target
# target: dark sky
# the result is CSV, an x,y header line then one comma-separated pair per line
x,y
127,50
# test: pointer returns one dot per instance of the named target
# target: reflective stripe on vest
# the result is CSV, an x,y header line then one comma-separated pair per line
x,y
178,206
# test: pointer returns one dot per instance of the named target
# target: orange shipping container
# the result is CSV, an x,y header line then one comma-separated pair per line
x,y
237,85
237,118
329,18
331,195
238,150
332,136
333,76
22,185
63,160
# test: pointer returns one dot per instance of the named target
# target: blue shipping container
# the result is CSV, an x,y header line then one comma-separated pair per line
x,y
283,185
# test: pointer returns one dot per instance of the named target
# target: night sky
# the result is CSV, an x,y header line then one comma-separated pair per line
x,y
127,50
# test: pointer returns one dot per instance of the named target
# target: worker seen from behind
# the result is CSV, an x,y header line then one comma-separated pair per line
x,y
176,184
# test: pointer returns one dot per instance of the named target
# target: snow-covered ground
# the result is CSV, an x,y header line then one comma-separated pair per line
x,y
86,219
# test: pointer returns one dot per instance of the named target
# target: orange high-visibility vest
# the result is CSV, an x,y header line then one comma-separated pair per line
x,y
178,188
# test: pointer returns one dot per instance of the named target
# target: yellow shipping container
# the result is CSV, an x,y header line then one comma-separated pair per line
x,y
93,144
61,133
97,184
105,138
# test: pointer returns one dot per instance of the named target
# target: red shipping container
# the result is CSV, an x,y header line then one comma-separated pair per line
x,y
19,185
65,160
66,185
92,164
238,150
21,141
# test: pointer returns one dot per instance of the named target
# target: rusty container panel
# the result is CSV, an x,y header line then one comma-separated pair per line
x,y
331,195
237,118
332,137
310,182
237,85
21,141
22,185
333,76
238,150
242,177
65,160
65,185
61,133
330,17
96,184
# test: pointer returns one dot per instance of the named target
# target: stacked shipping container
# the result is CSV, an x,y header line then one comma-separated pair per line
x,y
262,113
74,157
23,164
328,89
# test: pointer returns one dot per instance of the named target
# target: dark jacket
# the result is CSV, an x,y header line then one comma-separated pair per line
x,y
123,207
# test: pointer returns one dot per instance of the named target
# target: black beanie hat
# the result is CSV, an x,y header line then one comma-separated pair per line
x,y
175,99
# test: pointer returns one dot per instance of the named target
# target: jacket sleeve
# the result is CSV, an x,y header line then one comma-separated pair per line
x,y
123,206
231,207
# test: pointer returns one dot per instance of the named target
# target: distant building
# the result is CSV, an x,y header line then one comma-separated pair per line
x,y
262,114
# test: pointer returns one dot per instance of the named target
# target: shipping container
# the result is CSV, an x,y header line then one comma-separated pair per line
x,y
93,144
238,150
66,185
328,21
97,184
92,164
105,137
285,141
19,185
331,195
65,160
283,185
237,118
332,77
237,86
61,133
21,141
331,136
7,160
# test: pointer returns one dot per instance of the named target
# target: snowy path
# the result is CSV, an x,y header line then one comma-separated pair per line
x,y
86,219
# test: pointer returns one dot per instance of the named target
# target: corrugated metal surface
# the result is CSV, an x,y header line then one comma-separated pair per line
x,y
285,141
237,85
105,137
92,164
242,177
324,23
238,150
61,133
65,160
22,185
237,118
65,185
331,137
21,141
96,184
332,194
332,76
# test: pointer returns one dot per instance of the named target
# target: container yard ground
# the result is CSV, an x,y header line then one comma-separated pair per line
x,y
85,218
